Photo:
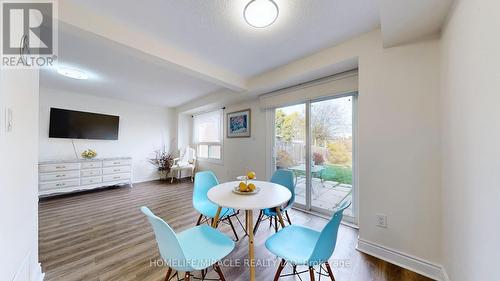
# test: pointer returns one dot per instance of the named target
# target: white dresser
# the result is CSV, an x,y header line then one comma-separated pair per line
x,y
58,177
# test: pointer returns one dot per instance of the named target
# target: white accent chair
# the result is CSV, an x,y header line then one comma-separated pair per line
x,y
184,165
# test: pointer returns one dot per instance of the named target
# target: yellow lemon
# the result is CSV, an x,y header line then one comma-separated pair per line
x,y
251,175
243,187
251,186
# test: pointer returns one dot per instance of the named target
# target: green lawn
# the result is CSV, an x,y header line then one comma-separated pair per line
x,y
338,173
342,174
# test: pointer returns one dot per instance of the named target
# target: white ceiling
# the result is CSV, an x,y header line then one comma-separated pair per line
x,y
170,52
404,21
117,71
214,30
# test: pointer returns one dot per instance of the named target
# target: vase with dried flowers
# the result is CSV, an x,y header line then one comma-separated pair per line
x,y
163,162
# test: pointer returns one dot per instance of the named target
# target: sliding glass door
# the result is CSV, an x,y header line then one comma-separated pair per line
x,y
315,141
331,151
290,145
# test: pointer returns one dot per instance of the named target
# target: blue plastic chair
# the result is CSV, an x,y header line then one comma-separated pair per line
x,y
298,245
284,178
194,249
203,182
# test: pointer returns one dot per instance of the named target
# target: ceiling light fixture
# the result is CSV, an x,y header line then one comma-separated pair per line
x,y
72,73
261,13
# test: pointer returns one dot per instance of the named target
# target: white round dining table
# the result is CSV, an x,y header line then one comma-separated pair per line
x,y
270,195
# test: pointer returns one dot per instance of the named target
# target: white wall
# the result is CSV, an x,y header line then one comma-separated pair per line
x,y
398,139
242,154
399,148
471,138
143,129
18,177
184,131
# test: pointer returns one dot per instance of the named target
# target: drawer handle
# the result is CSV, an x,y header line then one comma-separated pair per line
x,y
60,184
116,170
116,178
60,167
116,163
60,176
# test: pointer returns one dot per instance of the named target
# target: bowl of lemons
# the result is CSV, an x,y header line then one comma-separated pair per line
x,y
245,187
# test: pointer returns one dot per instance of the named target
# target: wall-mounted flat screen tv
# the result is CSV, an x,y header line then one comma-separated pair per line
x,y
72,124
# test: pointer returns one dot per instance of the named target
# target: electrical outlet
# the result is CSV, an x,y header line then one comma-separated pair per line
x,y
381,220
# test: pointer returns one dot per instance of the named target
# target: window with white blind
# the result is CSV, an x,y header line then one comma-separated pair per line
x,y
208,135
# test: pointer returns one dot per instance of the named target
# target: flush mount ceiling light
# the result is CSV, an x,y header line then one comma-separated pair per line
x,y
72,73
261,13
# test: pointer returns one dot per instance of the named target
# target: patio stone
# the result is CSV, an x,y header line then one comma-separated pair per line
x,y
326,195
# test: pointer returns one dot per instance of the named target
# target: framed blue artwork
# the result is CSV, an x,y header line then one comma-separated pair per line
x,y
238,124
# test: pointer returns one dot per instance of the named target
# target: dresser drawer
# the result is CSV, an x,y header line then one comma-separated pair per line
x,y
118,162
58,184
86,181
58,176
116,177
116,170
48,168
91,165
91,173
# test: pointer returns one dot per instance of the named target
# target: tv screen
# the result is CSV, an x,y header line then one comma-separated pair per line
x,y
82,125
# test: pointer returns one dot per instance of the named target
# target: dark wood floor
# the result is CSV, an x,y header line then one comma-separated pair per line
x,y
102,235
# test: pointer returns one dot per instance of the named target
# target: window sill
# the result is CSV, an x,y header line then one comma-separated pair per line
x,y
211,161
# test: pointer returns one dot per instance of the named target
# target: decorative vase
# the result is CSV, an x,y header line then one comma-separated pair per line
x,y
163,175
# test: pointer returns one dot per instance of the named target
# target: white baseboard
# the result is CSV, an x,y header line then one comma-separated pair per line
x,y
29,269
445,275
37,274
418,265
146,180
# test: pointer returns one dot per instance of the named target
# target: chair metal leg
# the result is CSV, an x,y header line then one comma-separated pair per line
x,y
240,223
199,220
280,269
275,224
311,273
167,277
288,218
232,227
219,271
259,219
187,276
329,269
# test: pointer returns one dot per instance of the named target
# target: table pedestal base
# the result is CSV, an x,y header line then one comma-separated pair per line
x,y
249,226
